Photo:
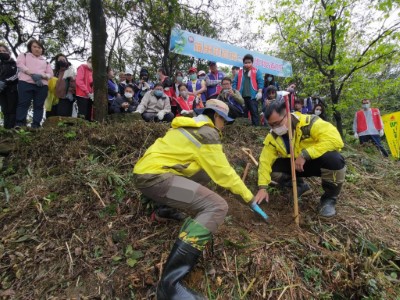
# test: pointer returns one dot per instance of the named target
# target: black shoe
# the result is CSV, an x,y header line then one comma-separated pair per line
x,y
164,213
180,262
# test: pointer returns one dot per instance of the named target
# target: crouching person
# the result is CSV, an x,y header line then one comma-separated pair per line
x,y
168,174
155,106
316,148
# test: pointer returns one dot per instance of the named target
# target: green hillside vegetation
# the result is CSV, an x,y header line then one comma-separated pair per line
x,y
72,225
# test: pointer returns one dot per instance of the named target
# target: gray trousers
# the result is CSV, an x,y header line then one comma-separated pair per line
x,y
182,193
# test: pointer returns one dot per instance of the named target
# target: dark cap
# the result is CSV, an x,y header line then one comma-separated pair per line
x,y
210,63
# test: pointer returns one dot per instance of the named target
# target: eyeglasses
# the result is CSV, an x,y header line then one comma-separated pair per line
x,y
278,123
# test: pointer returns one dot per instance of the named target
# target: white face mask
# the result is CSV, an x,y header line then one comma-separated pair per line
x,y
128,95
89,65
317,112
184,94
365,106
281,130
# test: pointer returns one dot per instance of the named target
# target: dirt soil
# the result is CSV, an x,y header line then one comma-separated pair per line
x,y
72,225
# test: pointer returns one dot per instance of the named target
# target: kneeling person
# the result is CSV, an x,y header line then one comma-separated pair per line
x,y
316,148
170,172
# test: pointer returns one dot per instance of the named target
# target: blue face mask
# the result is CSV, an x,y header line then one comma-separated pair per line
x,y
202,77
158,93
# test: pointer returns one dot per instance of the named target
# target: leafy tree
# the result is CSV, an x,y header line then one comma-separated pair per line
x,y
60,24
333,40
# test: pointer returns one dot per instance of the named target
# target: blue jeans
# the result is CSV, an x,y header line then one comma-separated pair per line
x,y
375,139
252,107
26,93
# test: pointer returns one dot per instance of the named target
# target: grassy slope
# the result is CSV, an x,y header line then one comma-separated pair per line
x,y
72,225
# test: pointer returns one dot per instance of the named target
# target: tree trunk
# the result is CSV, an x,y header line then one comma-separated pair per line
x,y
99,39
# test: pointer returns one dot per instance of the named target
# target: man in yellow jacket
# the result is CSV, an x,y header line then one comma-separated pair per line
x,y
170,172
316,150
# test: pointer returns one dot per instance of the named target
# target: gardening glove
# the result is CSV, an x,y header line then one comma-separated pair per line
x,y
160,115
2,86
258,96
257,209
356,135
184,112
91,96
37,79
381,132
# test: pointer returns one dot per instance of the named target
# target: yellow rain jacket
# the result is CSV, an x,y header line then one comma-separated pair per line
x,y
191,145
312,137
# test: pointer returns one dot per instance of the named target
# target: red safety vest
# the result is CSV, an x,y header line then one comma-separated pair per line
x,y
188,105
362,120
253,79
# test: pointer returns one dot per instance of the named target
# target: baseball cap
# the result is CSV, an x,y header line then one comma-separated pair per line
x,y
218,106
193,69
210,63
201,72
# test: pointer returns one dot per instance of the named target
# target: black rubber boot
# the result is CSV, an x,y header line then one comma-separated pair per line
x,y
181,260
164,212
328,199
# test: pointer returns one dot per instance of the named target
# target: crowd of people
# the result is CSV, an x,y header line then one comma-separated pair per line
x,y
174,171
31,81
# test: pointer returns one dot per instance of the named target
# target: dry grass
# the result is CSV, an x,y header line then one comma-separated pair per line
x,y
72,226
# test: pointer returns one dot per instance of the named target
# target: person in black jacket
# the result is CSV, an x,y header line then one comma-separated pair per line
x,y
8,87
125,103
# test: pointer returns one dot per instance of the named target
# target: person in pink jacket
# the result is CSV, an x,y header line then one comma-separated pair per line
x,y
33,76
84,90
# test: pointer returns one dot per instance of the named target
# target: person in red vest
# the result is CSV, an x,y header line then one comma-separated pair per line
x,y
249,82
187,103
368,126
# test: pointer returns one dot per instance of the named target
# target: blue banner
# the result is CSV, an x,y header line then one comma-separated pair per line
x,y
191,44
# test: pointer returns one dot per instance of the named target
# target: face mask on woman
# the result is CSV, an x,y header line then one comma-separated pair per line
x,y
4,56
193,76
317,112
269,78
128,95
89,64
179,79
184,94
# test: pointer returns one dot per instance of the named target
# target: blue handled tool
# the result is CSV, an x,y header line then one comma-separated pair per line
x,y
254,206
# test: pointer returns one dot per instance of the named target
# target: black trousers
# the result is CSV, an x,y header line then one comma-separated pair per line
x,y
8,103
332,160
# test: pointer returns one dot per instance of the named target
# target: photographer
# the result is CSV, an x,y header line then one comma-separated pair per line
x,y
232,98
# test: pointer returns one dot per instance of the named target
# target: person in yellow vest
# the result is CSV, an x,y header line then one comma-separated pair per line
x,y
368,126
316,146
173,172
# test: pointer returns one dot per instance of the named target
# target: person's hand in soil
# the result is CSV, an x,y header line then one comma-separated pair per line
x,y
261,195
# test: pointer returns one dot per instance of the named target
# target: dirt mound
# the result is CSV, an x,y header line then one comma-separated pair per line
x,y
72,225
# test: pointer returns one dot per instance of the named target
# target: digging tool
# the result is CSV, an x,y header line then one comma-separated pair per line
x,y
254,206
292,165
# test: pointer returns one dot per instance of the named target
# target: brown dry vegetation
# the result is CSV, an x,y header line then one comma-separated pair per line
x,y
72,226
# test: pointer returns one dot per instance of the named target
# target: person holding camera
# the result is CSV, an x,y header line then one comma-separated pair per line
x,y
232,98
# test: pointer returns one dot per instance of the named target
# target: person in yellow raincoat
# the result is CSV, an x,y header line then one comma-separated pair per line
x,y
170,172
316,146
